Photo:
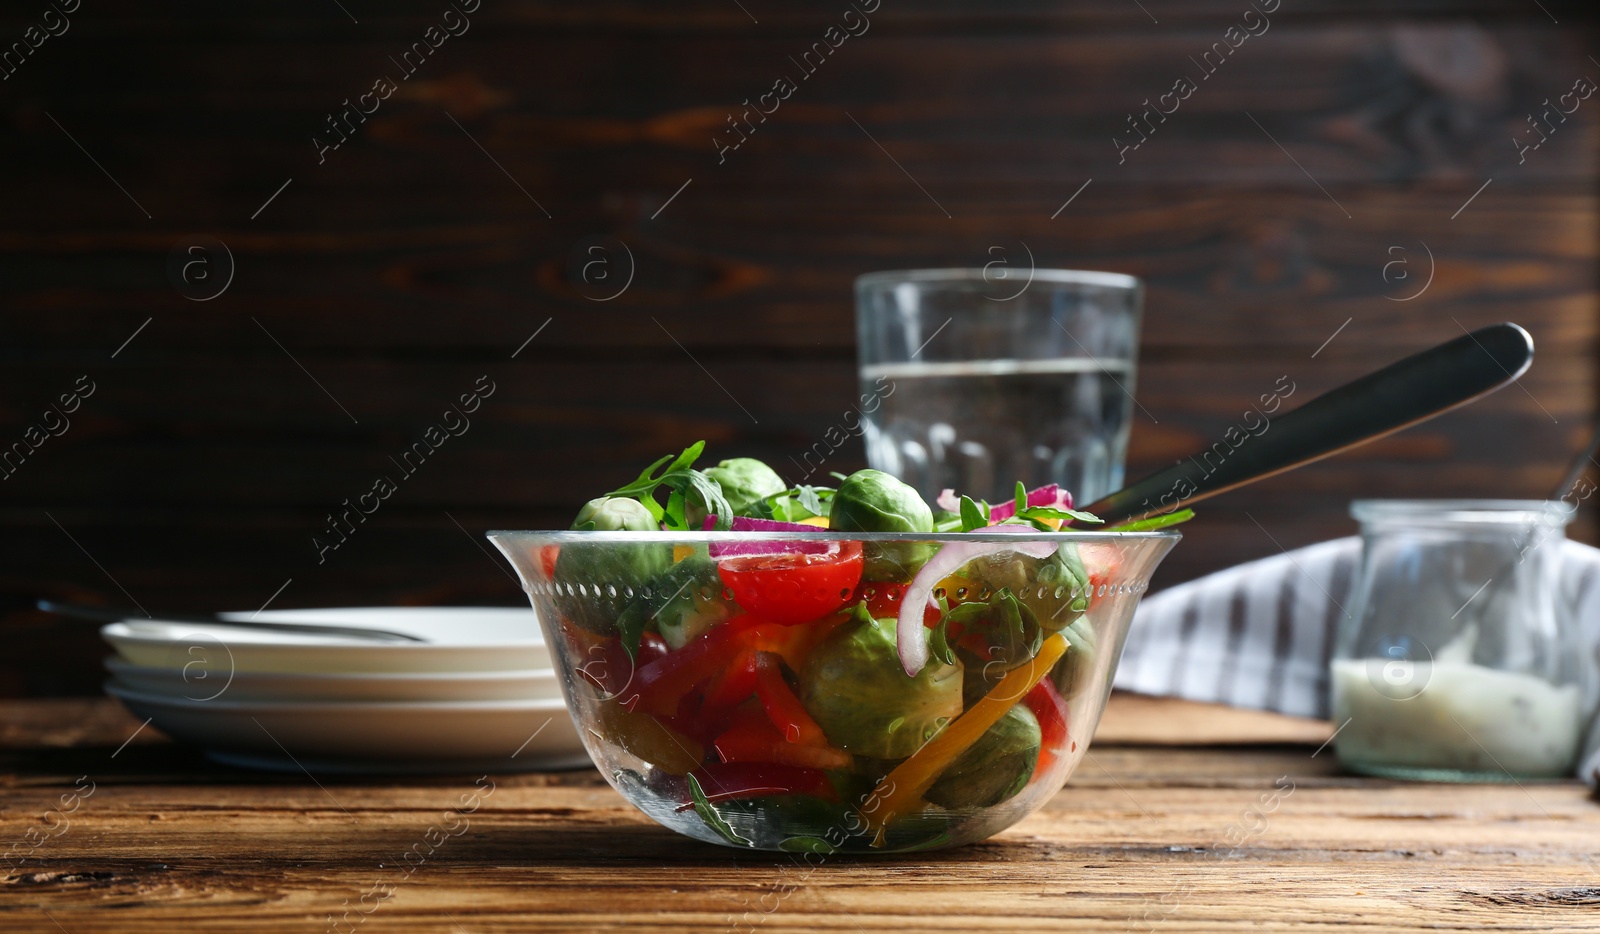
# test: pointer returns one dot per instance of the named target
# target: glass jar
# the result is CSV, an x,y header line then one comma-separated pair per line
x,y
1457,660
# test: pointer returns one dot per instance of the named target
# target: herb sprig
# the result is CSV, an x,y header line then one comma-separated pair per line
x,y
1036,515
679,477
1152,523
796,504
713,819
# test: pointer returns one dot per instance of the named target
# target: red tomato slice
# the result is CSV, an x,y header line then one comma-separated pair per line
x,y
794,588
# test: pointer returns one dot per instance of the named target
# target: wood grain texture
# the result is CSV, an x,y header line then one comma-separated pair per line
x,y
1140,839
1263,214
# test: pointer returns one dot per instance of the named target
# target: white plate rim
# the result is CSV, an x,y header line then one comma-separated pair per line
x,y
124,630
543,704
117,665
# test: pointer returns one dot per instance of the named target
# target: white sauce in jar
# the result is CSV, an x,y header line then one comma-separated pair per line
x,y
1468,717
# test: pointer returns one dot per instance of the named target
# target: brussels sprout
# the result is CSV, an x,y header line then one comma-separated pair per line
x,y
1010,636
978,677
1055,589
649,740
593,580
1079,660
796,505
687,600
614,514
994,768
1062,573
744,482
982,674
855,688
873,501
1002,570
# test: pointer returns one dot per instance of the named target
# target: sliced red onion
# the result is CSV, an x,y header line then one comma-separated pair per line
x,y
744,524
1048,495
911,635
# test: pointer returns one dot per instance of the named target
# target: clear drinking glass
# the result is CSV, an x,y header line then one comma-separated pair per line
x,y
1458,660
972,379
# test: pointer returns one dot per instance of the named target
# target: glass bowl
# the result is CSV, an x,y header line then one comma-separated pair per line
x,y
750,688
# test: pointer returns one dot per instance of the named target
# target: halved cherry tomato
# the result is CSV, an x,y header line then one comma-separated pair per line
x,y
794,588
751,738
726,781
782,707
1050,709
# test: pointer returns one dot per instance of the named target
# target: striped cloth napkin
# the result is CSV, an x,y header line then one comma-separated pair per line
x,y
1259,635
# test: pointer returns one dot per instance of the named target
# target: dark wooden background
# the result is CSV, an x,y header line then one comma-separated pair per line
x,y
409,264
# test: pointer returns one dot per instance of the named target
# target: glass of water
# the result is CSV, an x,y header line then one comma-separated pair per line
x,y
973,379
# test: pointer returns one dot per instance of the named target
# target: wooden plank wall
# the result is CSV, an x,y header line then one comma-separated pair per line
x,y
1278,206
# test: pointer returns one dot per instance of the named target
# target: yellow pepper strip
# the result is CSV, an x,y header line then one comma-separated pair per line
x,y
958,589
902,790
820,522
679,552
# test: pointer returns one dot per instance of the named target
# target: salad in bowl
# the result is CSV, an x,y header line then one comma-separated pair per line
x,y
827,669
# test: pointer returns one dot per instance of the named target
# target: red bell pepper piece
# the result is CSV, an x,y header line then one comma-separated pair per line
x,y
547,560
1050,709
885,601
727,781
687,719
660,686
1104,564
732,687
793,643
782,707
752,738
606,664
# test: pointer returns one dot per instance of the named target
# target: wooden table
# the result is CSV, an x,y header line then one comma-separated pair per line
x,y
1155,832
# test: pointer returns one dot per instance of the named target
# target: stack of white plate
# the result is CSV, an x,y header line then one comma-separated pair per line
x,y
479,694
